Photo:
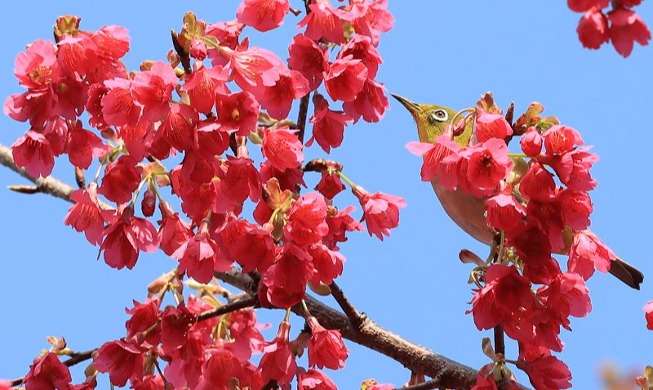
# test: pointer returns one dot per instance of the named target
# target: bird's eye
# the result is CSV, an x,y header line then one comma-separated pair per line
x,y
438,116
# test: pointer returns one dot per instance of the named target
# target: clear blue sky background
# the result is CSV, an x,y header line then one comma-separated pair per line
x,y
447,52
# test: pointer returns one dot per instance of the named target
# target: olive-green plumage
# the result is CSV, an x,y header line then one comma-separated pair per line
x,y
467,211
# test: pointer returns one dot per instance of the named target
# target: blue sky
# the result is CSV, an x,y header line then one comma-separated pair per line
x,y
442,52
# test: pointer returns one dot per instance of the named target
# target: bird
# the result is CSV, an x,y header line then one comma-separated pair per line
x,y
466,210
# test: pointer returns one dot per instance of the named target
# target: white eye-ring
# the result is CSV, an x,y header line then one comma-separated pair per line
x,y
438,116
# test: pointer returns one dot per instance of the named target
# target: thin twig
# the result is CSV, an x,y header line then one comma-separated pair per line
x,y
247,301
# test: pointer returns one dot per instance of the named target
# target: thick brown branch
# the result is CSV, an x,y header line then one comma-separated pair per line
x,y
451,374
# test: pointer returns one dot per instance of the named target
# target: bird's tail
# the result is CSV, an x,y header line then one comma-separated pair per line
x,y
626,273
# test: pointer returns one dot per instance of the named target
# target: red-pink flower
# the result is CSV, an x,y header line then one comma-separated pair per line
x,y
560,139
370,103
255,68
248,244
123,359
173,231
380,211
285,280
282,148
487,164
328,263
371,18
593,29
324,21
244,329
325,348
238,111
537,184
178,128
588,253
83,145
33,152
505,299
93,105
546,373
153,90
648,313
626,28
278,362
584,5
77,54
144,316
118,104
241,180
566,295
340,222
121,179
576,207
434,153
330,184
328,125
360,48
125,237
263,15
306,220
200,256
345,78
85,215
221,368
37,68
309,58
573,169
504,212
627,3
531,142
277,99
489,125
47,372
175,325
314,380
203,84
37,107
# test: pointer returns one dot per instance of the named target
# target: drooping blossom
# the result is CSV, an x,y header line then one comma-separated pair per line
x,y
380,211
278,362
85,215
47,372
282,148
309,58
263,15
626,28
314,380
593,29
126,236
123,359
324,21
325,348
307,220
328,125
345,78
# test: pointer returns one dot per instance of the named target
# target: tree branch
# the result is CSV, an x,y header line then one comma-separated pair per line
x,y
451,374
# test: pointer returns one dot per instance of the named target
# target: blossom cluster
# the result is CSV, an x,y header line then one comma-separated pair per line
x,y
537,204
214,101
211,354
621,25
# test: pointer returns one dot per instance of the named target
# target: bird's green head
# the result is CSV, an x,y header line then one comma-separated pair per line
x,y
432,120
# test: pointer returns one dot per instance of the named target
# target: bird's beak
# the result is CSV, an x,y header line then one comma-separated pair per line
x,y
410,106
